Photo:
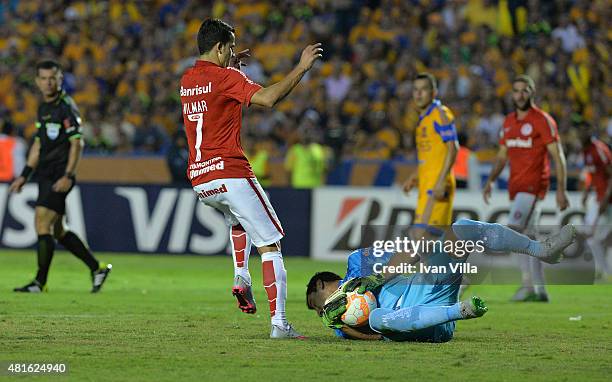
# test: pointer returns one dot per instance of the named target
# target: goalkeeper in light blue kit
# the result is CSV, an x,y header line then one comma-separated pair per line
x,y
421,306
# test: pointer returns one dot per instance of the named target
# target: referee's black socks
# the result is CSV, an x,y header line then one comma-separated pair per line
x,y
71,242
46,246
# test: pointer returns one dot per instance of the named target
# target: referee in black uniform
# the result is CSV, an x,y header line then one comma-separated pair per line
x,y
54,155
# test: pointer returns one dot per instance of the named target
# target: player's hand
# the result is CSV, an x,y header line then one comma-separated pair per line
x,y
562,200
334,308
363,284
486,193
309,55
17,185
410,183
236,60
439,192
62,185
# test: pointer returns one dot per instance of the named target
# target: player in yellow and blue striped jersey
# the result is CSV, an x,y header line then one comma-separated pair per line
x,y
437,146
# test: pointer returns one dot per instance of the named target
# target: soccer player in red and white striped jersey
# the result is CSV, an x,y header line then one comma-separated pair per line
x,y
213,93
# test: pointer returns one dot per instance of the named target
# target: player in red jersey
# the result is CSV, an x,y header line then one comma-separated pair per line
x,y
527,137
598,163
213,92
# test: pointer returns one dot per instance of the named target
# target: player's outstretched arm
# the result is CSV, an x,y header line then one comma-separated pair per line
x,y
29,168
271,95
500,163
556,151
357,335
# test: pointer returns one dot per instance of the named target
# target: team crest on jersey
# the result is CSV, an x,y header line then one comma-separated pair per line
x,y
526,129
53,130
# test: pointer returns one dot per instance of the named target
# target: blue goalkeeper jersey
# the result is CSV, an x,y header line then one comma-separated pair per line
x,y
361,263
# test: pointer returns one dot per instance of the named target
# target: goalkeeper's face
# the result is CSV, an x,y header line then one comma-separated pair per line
x,y
316,299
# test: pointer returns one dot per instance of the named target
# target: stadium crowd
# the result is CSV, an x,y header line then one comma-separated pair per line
x,y
123,60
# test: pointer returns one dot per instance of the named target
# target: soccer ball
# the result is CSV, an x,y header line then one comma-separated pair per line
x,y
358,308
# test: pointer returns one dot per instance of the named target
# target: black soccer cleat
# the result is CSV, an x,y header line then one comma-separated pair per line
x,y
33,287
243,293
99,277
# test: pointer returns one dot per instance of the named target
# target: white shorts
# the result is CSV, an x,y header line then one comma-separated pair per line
x,y
243,201
524,213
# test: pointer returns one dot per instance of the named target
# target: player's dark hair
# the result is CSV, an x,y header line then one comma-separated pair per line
x,y
319,276
48,64
429,77
213,31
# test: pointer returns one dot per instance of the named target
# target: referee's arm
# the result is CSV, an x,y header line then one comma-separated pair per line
x,y
31,164
64,183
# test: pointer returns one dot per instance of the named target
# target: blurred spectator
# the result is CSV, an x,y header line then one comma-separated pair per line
x,y
259,155
306,161
337,85
177,158
123,62
461,167
490,123
97,134
568,34
255,71
13,151
466,166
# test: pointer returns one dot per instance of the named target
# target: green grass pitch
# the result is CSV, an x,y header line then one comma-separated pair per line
x,y
173,318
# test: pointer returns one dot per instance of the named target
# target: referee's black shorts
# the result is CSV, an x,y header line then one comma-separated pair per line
x,y
50,199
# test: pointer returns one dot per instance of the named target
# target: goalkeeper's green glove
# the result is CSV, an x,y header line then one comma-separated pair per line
x,y
363,284
334,308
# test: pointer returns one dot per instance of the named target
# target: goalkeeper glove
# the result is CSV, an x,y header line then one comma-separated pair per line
x,y
363,284
334,308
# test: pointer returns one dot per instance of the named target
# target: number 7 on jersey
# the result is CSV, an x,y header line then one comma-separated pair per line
x,y
199,118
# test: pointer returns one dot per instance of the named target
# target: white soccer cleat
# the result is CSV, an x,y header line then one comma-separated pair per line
x,y
288,332
555,244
